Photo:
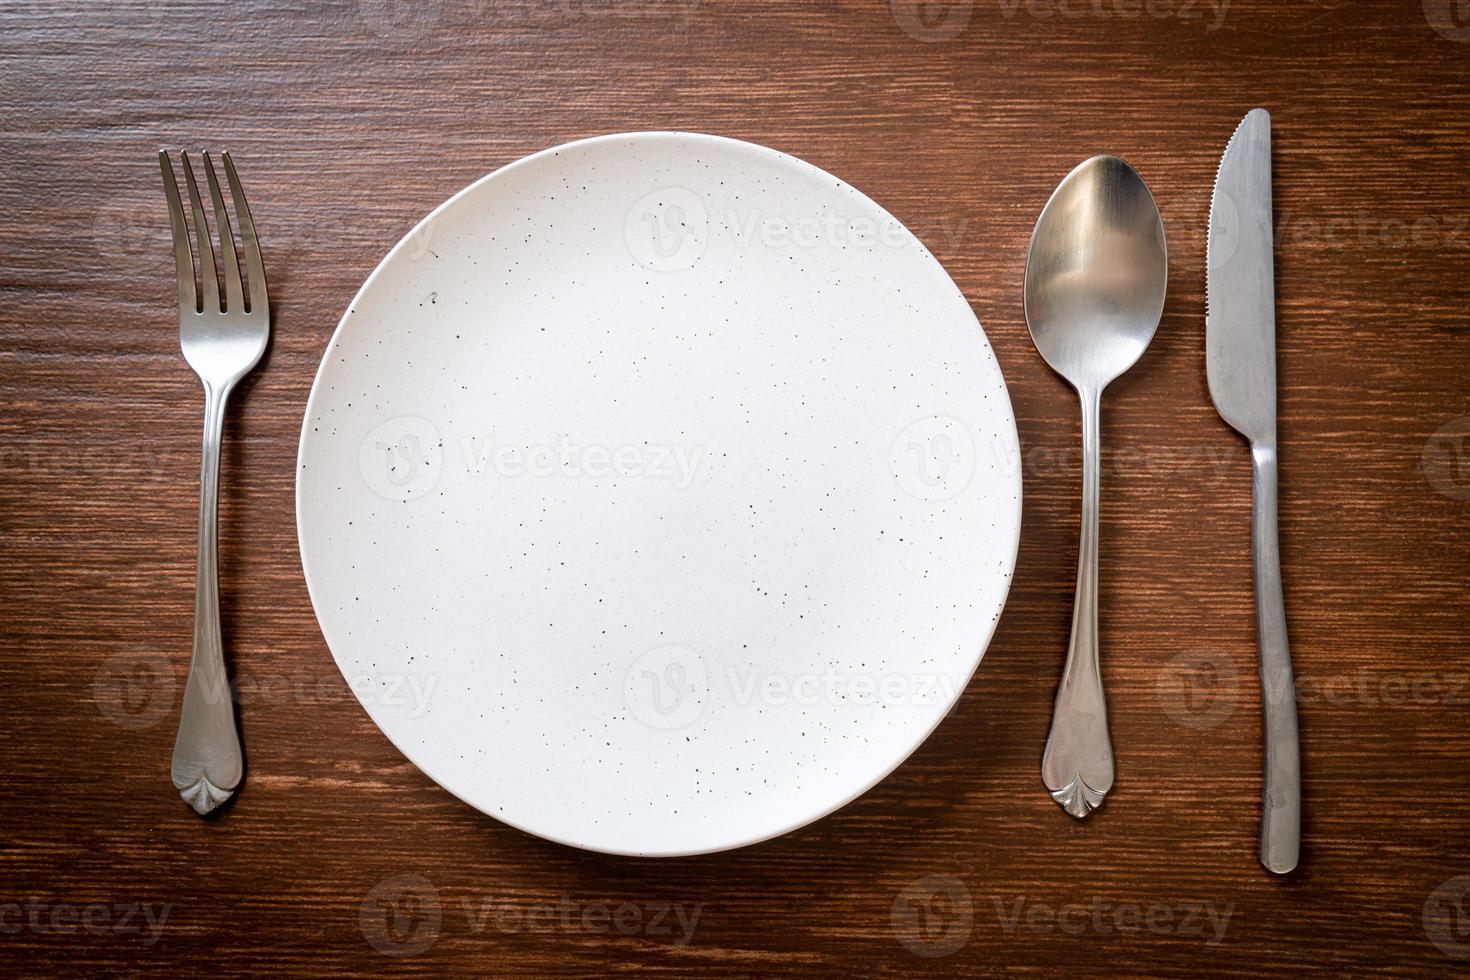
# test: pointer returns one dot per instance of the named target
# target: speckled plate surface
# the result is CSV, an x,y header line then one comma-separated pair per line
x,y
658,494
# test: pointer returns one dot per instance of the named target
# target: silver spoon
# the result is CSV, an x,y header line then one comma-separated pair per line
x,y
1096,274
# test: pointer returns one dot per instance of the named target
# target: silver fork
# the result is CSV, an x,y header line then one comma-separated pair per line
x,y
221,342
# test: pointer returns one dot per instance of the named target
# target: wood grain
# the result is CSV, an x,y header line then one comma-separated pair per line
x,y
350,121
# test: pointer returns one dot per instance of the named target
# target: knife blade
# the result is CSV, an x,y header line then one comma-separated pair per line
x,y
1240,305
1240,363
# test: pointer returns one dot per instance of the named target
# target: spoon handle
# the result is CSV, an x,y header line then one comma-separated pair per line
x,y
1078,764
1281,796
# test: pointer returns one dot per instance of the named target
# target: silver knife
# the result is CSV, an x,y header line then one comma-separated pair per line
x,y
1240,359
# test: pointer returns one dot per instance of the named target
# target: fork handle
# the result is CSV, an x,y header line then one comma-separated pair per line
x,y
1281,794
207,763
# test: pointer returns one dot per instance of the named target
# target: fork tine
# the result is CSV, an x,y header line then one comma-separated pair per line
x,y
234,302
208,273
183,258
255,268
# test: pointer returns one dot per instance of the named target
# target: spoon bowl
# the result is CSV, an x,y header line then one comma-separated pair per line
x,y
1096,273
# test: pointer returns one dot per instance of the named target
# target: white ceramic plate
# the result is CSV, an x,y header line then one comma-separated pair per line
x,y
658,494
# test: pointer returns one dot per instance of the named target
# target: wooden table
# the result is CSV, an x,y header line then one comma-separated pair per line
x,y
350,121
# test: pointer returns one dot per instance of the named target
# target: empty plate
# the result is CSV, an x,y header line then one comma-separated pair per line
x,y
658,494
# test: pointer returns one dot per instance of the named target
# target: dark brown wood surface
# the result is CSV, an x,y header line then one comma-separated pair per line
x,y
351,121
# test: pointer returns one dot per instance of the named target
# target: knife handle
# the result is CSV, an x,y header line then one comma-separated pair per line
x,y
1281,796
